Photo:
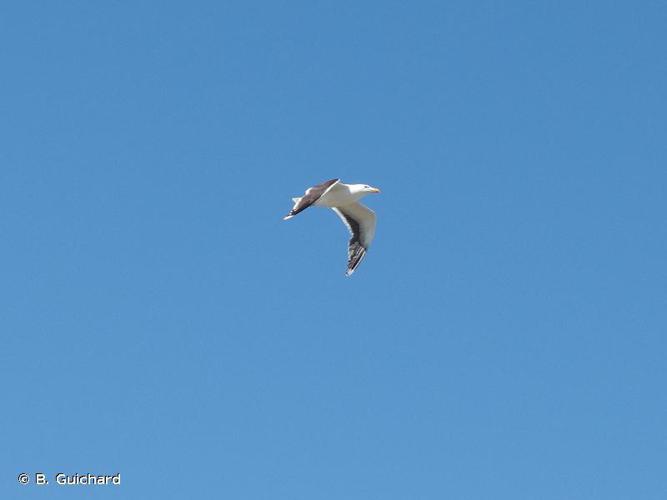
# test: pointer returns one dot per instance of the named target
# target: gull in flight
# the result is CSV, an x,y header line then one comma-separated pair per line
x,y
344,200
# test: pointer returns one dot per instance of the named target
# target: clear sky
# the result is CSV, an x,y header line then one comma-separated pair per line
x,y
503,339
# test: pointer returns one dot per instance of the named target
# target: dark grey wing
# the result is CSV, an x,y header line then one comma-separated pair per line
x,y
355,254
311,196
360,220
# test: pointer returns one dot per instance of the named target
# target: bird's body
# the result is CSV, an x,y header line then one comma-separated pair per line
x,y
340,194
344,200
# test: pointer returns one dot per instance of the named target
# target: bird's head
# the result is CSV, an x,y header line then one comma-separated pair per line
x,y
365,189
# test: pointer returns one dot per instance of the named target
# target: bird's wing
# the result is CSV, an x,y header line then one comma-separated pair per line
x,y
311,196
360,220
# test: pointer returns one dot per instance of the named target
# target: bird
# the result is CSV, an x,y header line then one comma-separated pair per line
x,y
344,200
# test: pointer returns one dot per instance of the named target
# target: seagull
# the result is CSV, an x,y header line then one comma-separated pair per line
x,y
344,200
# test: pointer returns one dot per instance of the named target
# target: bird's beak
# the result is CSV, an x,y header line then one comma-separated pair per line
x,y
375,190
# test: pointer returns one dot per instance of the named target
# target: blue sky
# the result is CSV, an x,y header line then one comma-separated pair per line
x,y
505,336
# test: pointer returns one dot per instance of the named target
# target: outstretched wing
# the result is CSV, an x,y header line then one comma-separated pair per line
x,y
311,196
360,220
